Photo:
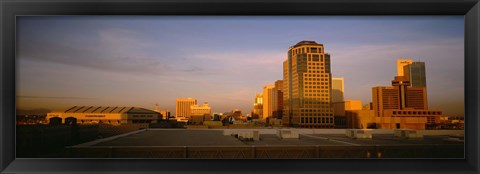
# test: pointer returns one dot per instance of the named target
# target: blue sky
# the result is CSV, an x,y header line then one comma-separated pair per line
x,y
143,60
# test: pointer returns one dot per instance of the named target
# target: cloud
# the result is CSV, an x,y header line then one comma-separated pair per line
x,y
113,50
51,97
246,57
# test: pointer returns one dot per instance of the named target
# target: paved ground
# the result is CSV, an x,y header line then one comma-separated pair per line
x,y
388,139
216,138
175,138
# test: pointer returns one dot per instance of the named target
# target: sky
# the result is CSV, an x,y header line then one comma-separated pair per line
x,y
141,61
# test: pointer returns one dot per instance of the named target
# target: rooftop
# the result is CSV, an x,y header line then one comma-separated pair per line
x,y
312,143
170,137
105,109
306,42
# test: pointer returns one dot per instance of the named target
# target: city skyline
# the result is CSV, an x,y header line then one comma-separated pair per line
x,y
225,61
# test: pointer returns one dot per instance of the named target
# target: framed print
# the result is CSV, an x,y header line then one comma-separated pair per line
x,y
270,86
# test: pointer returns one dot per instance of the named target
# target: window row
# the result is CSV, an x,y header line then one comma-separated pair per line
x,y
307,50
316,120
317,79
310,71
320,87
316,67
417,112
316,90
315,64
316,83
316,102
316,75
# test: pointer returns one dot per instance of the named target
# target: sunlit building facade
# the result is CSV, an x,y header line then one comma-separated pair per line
x,y
269,100
402,105
165,114
399,96
182,108
307,85
400,64
414,72
200,113
258,107
104,115
200,109
385,97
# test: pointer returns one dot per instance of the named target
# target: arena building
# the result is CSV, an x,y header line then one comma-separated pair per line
x,y
104,114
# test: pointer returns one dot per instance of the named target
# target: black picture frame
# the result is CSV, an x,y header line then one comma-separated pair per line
x,y
12,8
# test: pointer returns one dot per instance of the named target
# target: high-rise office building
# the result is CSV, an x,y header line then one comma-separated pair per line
x,y
278,112
400,64
398,96
269,100
182,108
338,90
415,73
404,105
307,85
279,85
258,107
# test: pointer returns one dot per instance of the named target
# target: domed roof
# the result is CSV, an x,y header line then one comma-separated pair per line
x,y
306,42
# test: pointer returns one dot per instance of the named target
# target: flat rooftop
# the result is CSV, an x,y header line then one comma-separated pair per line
x,y
182,137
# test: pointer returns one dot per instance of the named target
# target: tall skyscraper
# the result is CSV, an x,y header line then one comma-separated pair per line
x,y
338,90
278,112
400,64
182,108
307,85
415,73
258,107
269,100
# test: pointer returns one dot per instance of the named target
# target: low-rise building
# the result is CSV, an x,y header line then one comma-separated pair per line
x,y
104,114
200,113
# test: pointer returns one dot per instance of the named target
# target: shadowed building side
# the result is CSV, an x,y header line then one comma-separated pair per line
x,y
338,89
415,73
